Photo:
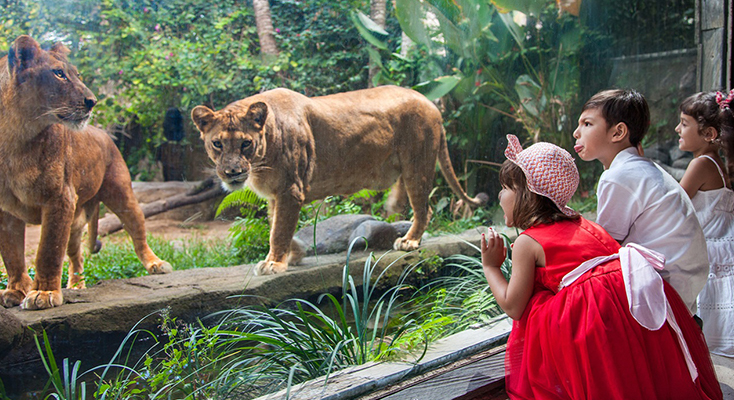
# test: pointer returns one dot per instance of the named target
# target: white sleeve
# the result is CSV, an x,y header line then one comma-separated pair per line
x,y
617,208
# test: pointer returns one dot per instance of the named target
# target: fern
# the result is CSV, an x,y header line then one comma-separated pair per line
x,y
248,201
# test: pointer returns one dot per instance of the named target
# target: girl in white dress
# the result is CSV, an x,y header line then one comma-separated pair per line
x,y
706,127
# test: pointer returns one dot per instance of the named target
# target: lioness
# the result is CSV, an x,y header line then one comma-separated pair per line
x,y
55,170
292,150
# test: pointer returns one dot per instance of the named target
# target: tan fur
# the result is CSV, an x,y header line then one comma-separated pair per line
x,y
292,150
54,171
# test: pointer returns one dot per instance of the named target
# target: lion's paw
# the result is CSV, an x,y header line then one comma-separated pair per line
x,y
405,244
11,298
159,267
270,267
42,299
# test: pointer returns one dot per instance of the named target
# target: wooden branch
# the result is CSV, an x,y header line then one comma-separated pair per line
x,y
111,223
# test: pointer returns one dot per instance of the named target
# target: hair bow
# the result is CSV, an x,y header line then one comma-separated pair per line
x,y
724,102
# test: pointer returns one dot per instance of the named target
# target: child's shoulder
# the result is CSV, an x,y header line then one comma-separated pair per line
x,y
633,167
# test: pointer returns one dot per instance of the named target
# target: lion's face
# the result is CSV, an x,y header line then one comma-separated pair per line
x,y
234,140
46,81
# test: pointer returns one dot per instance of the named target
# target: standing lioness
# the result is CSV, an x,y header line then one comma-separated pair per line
x,y
292,150
54,171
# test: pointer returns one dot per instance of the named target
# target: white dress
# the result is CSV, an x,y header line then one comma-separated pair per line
x,y
715,212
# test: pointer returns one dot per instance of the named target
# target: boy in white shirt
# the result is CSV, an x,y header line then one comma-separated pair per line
x,y
638,202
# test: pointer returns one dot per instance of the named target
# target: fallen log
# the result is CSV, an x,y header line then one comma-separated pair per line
x,y
208,189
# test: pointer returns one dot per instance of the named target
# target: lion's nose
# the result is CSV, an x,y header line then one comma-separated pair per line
x,y
90,102
233,172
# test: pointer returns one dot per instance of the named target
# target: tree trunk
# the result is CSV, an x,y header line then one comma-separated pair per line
x,y
265,28
405,45
378,10
207,190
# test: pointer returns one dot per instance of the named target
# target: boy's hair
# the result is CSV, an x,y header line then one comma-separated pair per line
x,y
627,106
530,208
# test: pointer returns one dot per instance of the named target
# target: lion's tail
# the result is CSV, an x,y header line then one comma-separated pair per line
x,y
444,161
93,244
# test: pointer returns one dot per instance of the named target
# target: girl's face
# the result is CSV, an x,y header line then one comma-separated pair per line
x,y
690,138
507,202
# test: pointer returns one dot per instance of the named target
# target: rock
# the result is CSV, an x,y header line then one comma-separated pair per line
x,y
676,154
402,227
378,235
658,152
11,329
681,163
332,235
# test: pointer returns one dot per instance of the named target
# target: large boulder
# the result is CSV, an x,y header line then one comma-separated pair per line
x,y
332,235
374,235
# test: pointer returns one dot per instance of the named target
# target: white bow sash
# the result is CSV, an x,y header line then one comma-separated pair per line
x,y
644,287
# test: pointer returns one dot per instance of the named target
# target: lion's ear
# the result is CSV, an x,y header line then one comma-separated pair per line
x,y
22,53
202,117
257,114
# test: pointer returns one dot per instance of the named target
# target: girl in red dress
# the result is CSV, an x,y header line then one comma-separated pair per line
x,y
592,320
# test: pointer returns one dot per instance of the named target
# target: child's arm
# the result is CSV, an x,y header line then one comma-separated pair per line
x,y
512,297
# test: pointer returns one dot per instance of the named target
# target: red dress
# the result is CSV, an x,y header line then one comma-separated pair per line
x,y
582,342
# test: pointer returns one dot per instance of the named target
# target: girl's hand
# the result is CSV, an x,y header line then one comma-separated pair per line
x,y
493,249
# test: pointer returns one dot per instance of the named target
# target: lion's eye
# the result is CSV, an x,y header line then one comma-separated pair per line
x,y
246,144
59,73
217,144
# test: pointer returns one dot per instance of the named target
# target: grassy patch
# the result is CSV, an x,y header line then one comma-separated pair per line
x,y
117,259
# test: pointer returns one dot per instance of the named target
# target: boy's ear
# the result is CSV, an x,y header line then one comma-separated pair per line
x,y
620,132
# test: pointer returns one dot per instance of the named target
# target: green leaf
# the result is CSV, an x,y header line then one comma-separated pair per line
x,y
514,29
451,33
531,95
371,25
366,32
439,87
525,6
375,57
410,15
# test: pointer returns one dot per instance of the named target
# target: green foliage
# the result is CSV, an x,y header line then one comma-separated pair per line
x,y
462,296
118,260
66,383
254,350
143,57
250,237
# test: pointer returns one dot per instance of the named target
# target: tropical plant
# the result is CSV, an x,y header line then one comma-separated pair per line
x,y
497,66
462,294
300,340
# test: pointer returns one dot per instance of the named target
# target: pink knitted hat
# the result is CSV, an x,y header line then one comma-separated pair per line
x,y
549,170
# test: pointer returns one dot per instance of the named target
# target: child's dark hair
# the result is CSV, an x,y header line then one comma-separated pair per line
x,y
726,122
705,109
627,106
530,208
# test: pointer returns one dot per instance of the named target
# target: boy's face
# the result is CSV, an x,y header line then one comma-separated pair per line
x,y
594,138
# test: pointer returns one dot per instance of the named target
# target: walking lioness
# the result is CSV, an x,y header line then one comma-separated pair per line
x,y
55,170
292,150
